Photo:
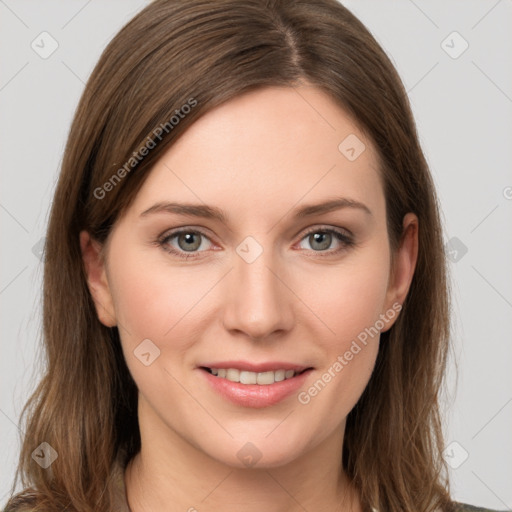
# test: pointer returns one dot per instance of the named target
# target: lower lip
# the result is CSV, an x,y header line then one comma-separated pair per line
x,y
255,395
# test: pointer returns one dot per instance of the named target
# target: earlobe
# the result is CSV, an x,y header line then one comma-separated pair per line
x,y
97,281
404,263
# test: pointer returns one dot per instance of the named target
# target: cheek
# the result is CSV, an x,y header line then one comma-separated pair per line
x,y
156,301
160,304
349,301
349,297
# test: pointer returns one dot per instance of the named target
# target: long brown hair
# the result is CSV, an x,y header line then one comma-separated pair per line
x,y
179,52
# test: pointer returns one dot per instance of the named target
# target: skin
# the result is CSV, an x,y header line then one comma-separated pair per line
x,y
257,157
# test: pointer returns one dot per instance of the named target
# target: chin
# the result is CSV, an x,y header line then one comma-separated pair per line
x,y
259,450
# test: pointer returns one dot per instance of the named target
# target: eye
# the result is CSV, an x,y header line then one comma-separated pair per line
x,y
186,241
321,239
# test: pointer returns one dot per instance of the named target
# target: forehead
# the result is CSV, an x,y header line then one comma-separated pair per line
x,y
267,149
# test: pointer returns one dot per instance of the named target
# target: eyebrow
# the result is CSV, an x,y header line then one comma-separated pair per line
x,y
212,212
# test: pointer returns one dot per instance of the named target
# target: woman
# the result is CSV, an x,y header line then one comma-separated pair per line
x,y
245,298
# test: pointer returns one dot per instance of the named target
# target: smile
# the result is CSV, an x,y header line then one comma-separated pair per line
x,y
254,385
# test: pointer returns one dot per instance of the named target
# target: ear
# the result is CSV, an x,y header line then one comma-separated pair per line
x,y
404,264
94,264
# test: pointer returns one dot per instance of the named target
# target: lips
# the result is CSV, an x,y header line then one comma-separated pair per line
x,y
254,384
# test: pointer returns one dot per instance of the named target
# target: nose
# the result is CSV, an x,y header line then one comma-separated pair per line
x,y
259,300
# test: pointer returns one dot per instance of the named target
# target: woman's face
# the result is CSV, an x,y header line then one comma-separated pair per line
x,y
261,280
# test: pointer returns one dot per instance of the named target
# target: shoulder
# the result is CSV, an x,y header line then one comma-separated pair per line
x,y
464,507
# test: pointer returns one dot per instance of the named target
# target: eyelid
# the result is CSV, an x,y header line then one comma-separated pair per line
x,y
325,227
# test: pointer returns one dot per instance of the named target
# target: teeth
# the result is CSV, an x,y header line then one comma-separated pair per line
x,y
248,377
279,375
233,374
266,378
245,377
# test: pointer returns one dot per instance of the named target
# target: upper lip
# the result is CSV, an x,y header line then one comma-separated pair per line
x,y
256,367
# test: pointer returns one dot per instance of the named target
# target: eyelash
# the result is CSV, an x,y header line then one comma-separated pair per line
x,y
345,239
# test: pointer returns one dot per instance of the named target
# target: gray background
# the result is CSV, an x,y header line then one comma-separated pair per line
x,y
463,109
